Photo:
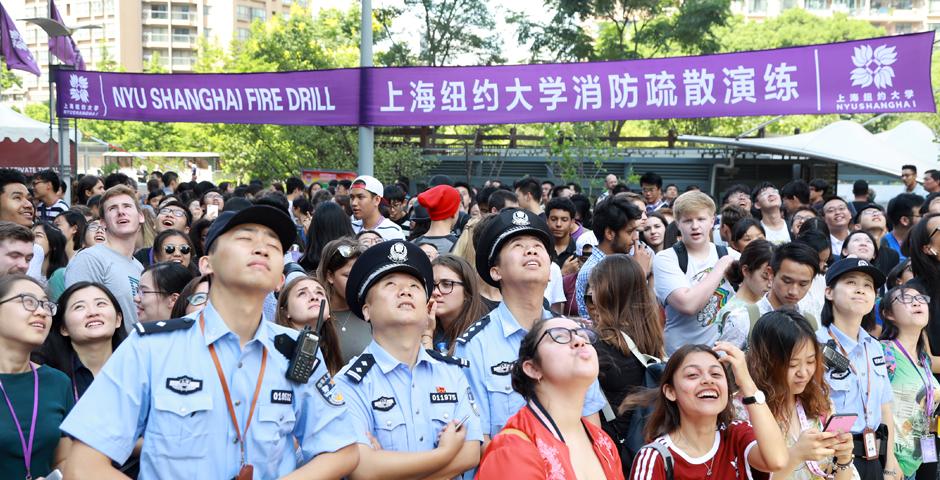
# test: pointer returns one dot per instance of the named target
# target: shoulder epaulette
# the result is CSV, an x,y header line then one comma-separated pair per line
x,y
474,329
359,367
460,362
163,326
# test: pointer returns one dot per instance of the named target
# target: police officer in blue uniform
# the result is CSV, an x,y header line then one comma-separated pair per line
x,y
208,392
514,255
855,365
407,402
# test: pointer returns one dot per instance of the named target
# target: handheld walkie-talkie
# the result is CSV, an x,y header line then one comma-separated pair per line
x,y
304,361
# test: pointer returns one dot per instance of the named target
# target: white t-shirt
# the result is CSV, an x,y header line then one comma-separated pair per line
x,y
836,245
555,292
700,327
388,229
778,236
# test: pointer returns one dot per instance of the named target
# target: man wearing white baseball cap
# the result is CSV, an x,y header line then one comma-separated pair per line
x,y
365,194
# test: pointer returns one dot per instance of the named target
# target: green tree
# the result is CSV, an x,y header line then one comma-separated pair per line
x,y
7,77
450,28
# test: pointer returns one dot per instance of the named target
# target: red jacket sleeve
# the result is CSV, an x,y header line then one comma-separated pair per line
x,y
509,456
648,465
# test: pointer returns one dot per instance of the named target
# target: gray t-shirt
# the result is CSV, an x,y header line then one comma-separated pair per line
x,y
120,274
355,334
443,244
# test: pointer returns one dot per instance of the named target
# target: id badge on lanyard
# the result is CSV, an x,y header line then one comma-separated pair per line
x,y
928,442
871,444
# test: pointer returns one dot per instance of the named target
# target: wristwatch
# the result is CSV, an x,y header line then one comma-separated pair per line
x,y
758,398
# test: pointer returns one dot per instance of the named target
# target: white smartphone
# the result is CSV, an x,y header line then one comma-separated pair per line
x,y
54,475
212,211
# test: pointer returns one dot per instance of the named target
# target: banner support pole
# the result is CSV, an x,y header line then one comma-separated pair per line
x,y
366,134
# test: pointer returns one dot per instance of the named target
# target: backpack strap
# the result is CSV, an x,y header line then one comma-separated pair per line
x,y
722,250
667,457
753,314
682,255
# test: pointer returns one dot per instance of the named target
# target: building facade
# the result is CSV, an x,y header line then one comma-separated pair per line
x,y
896,16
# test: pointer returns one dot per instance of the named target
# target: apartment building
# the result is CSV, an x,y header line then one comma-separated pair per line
x,y
132,32
896,16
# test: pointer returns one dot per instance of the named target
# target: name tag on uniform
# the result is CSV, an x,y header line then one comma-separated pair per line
x,y
443,397
284,397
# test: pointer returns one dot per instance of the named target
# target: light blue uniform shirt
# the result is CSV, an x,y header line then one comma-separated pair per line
x,y
164,386
848,389
404,408
492,346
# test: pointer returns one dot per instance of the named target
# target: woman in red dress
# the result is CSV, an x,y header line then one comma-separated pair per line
x,y
548,438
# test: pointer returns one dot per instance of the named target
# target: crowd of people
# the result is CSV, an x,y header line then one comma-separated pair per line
x,y
358,330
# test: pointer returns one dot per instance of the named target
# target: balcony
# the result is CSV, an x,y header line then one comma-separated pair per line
x,y
183,40
935,7
183,63
153,37
897,10
185,18
160,16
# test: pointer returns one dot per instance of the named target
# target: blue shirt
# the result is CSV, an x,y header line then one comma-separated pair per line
x,y
581,283
492,346
848,389
894,245
164,386
405,408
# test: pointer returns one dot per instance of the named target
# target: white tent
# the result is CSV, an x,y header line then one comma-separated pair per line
x,y
25,144
17,127
850,143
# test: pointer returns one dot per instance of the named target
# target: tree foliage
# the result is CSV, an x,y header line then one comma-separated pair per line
x,y
451,28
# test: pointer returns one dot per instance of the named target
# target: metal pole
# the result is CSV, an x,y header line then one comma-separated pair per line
x,y
49,71
65,158
366,134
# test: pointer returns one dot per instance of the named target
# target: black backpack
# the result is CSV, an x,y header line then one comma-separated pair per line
x,y
683,255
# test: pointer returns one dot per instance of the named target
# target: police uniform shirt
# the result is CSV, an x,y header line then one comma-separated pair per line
x,y
847,389
405,408
164,386
492,346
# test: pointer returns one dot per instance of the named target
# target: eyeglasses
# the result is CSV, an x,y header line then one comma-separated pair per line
x,y
170,249
767,191
871,212
446,286
909,299
802,218
832,210
146,292
94,227
172,211
932,234
213,196
563,336
31,303
197,299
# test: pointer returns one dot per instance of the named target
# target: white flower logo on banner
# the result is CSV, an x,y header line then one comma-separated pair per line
x,y
873,66
17,41
78,88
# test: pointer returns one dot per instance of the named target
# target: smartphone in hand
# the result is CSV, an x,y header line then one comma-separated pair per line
x,y
840,423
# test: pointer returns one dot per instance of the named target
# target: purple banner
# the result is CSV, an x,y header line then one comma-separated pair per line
x,y
888,74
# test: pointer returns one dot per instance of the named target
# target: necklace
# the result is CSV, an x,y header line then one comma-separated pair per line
x,y
708,472
709,466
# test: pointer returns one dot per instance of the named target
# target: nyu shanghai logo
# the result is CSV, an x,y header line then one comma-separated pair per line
x,y
873,66
79,98
18,43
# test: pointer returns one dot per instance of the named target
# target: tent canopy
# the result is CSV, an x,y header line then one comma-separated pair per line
x,y
17,127
910,143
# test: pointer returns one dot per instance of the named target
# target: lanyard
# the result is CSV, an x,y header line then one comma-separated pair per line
x,y
852,367
812,465
27,447
928,385
228,397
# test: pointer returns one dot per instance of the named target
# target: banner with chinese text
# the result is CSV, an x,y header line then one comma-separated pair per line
x,y
888,74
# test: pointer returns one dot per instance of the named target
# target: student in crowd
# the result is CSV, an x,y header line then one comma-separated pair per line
x,y
629,325
16,207
903,214
298,306
818,191
693,293
86,330
46,191
693,419
16,248
95,234
786,362
654,232
766,198
837,216
87,187
193,296
812,303
329,223
899,275
924,248
652,186
398,209
753,276
112,263
730,216
184,365
407,399
528,192
860,244
368,238
336,261
443,205
173,246
556,367
457,300
73,225
737,194
746,231
795,194
863,388
160,288
513,254
365,195
871,218
171,216
799,216
52,242
904,311
559,213
37,398
615,226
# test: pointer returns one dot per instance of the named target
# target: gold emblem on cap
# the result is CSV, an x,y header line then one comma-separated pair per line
x,y
520,218
398,253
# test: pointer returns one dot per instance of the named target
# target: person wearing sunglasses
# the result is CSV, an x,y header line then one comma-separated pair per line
x,y
336,261
36,398
556,367
160,287
407,402
173,246
904,311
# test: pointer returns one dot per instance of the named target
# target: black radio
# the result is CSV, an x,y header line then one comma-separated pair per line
x,y
304,361
835,360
